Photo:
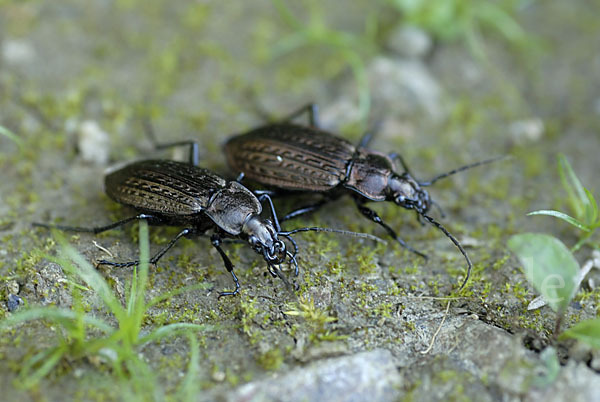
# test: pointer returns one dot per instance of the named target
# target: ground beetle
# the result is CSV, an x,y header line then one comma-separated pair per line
x,y
289,157
182,194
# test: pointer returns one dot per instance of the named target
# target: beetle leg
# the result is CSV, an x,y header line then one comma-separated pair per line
x,y
150,218
369,135
313,114
397,156
193,157
305,210
420,219
265,196
372,215
152,260
216,242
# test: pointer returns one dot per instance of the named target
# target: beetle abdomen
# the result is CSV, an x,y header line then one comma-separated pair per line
x,y
162,186
290,157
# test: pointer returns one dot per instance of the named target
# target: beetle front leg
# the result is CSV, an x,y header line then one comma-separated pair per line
x,y
396,156
152,260
369,135
216,242
372,215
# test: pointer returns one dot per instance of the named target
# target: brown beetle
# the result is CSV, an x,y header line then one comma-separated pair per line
x,y
290,157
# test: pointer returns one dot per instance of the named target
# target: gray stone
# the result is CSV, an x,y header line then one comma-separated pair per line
x,y
575,383
527,131
48,286
17,52
93,143
367,376
409,41
405,86
13,302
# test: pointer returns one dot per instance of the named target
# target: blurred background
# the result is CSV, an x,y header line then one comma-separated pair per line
x,y
448,82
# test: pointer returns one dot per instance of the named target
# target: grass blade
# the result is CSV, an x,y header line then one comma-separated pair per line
x,y
90,276
563,216
168,295
576,193
591,212
49,357
175,329
189,385
57,315
12,136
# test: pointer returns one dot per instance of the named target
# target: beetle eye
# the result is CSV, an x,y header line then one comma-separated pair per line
x,y
253,240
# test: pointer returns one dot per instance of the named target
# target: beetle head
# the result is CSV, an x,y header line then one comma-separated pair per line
x,y
262,237
407,193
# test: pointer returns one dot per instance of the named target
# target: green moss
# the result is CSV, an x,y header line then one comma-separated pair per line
x,y
270,360
249,307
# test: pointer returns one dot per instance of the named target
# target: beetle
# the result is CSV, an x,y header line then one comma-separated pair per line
x,y
290,157
175,193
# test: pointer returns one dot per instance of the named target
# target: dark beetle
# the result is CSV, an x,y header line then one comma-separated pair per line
x,y
291,157
182,194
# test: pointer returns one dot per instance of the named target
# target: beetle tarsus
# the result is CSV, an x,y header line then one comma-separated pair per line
x,y
457,244
216,242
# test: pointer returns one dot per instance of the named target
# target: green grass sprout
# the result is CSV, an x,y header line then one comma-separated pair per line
x,y
116,339
12,136
582,203
350,47
463,20
550,266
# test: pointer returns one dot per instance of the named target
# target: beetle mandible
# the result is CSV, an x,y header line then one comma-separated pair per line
x,y
294,158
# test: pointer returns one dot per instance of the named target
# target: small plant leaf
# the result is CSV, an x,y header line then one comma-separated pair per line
x,y
548,265
576,193
587,331
563,216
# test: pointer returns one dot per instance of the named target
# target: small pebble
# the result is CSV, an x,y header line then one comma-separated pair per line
x,y
93,143
411,42
13,302
17,52
526,131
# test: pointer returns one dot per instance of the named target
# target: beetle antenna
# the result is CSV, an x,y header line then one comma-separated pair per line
x,y
460,169
331,230
456,243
